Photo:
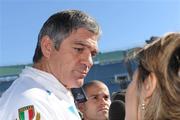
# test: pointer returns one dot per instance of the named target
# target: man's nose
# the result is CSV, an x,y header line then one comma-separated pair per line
x,y
87,59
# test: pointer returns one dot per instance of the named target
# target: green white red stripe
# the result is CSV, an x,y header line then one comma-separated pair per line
x,y
26,113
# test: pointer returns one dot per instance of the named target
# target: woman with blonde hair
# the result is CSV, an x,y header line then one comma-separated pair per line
x,y
154,93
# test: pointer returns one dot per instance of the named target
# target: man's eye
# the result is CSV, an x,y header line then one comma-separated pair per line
x,y
79,49
95,97
93,54
106,97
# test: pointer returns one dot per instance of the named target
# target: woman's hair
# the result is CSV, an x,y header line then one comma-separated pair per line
x,y
162,57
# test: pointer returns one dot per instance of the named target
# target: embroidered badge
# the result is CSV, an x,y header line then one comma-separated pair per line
x,y
26,113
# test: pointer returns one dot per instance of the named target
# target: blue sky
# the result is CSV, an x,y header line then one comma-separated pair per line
x,y
125,23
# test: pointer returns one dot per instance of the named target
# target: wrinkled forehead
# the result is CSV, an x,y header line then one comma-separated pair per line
x,y
85,38
91,43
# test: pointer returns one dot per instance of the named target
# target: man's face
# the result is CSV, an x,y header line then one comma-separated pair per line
x,y
71,63
97,106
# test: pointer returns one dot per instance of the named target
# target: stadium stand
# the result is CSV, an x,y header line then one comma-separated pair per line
x,y
110,67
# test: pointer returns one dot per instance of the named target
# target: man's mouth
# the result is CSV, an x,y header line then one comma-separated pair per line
x,y
103,109
82,74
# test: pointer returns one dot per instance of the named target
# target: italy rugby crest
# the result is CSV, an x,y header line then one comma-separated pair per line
x,y
26,113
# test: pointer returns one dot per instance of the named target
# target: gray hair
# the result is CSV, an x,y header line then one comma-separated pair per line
x,y
60,25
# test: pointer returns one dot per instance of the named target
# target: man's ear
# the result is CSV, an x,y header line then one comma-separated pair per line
x,y
46,46
150,85
80,107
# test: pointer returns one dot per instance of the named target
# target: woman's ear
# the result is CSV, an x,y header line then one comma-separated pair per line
x,y
46,46
149,85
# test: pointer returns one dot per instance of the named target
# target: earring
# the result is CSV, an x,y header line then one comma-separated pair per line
x,y
143,106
